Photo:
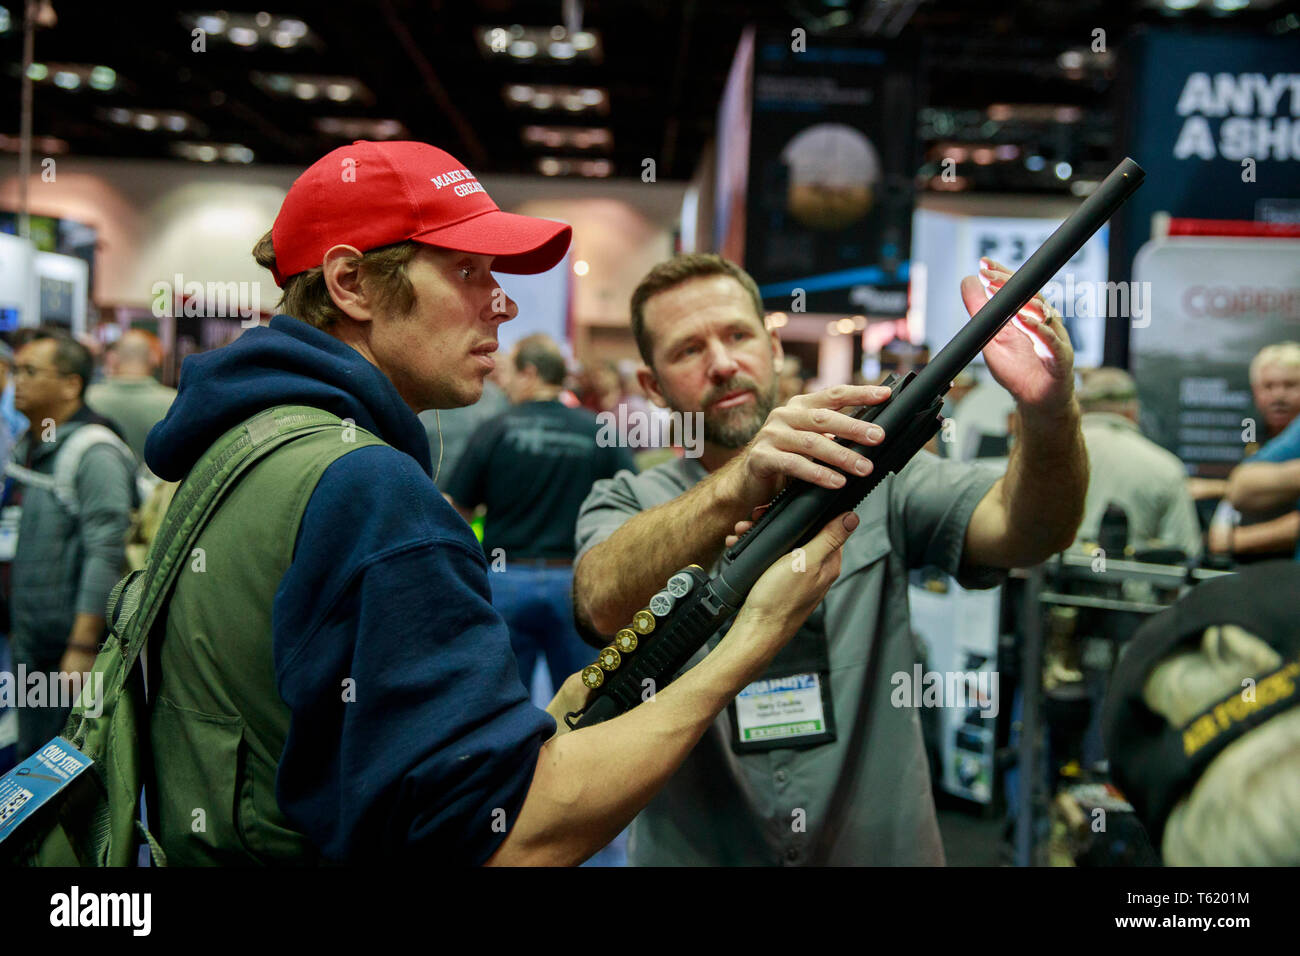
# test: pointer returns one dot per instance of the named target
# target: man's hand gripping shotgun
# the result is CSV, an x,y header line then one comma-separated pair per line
x,y
662,637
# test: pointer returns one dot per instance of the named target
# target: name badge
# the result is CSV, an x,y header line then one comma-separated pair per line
x,y
9,518
783,708
790,705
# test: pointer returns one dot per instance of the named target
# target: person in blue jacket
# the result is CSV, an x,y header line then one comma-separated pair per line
x,y
1271,477
385,254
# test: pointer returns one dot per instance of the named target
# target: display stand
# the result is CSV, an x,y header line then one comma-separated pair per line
x,y
1052,584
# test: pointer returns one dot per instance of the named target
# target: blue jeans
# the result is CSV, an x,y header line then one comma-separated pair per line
x,y
537,605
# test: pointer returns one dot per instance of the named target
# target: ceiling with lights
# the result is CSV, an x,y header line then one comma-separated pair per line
x,y
585,89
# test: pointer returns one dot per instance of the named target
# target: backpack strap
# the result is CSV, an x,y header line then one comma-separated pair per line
x,y
197,499
62,482
68,459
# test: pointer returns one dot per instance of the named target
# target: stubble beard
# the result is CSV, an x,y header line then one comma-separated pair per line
x,y
733,428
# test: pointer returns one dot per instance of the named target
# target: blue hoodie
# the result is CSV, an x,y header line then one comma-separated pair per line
x,y
389,587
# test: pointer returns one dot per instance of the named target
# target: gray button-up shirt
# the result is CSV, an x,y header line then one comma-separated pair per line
x,y
865,797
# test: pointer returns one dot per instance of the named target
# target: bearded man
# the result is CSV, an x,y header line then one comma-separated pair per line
x,y
813,763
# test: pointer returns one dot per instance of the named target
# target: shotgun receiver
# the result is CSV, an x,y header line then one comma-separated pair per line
x,y
662,637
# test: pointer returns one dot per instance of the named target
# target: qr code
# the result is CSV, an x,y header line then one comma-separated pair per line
x,y
14,803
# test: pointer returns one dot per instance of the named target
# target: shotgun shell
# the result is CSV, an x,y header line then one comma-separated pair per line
x,y
661,604
680,584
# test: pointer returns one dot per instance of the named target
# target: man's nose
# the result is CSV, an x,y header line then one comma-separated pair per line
x,y
722,364
503,307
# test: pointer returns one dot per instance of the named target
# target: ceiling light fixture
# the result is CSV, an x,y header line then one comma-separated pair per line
x,y
543,43
103,78
212,152
355,128
250,30
170,121
572,99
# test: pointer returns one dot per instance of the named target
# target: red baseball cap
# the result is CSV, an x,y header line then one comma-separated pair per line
x,y
369,195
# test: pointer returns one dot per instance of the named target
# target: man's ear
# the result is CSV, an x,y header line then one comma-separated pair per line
x,y
649,383
342,271
778,353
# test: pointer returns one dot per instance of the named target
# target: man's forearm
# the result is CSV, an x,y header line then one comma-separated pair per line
x,y
86,631
1267,537
1042,494
617,577
1258,486
590,783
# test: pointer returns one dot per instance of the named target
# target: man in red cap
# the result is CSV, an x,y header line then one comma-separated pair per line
x,y
332,682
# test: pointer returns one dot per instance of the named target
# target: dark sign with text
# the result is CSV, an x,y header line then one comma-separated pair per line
x,y
1214,119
